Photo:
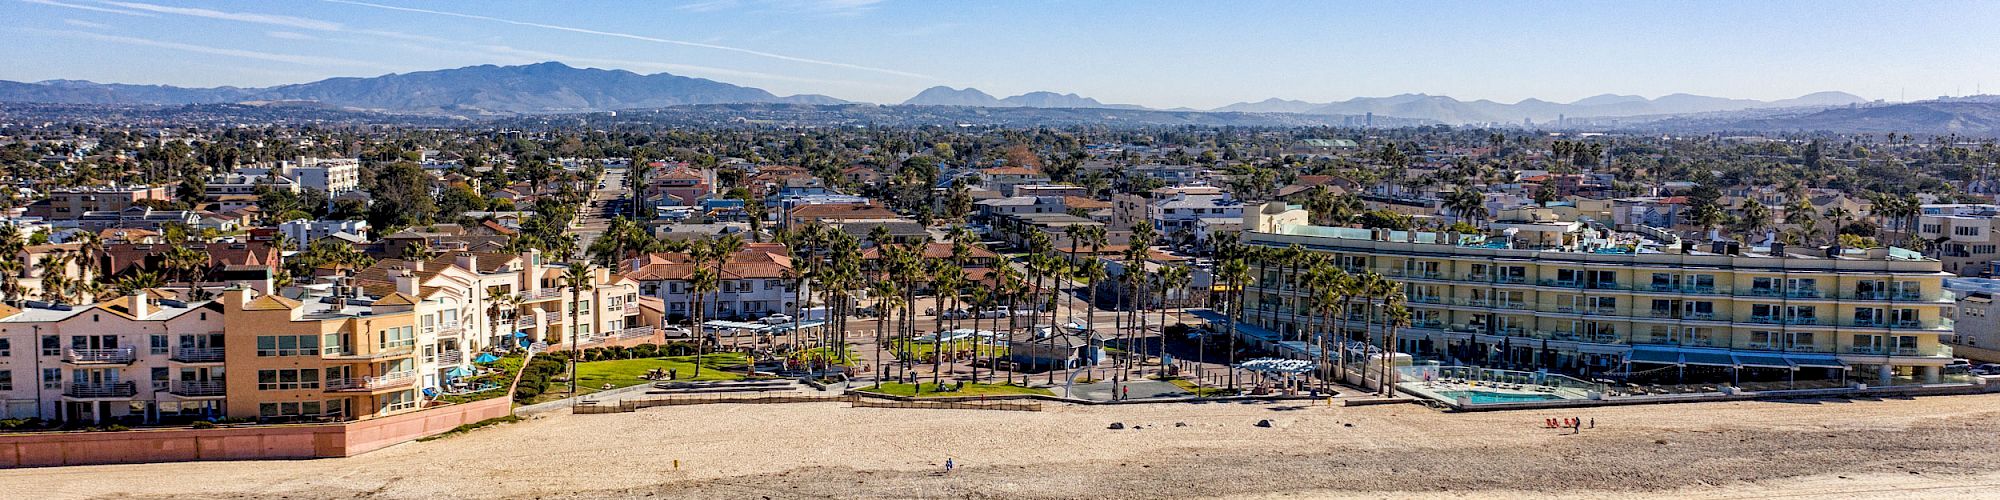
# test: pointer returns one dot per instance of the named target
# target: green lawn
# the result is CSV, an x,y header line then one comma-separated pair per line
x,y
1200,391
931,390
825,354
923,350
591,376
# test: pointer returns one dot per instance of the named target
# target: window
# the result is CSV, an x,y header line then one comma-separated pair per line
x,y
51,378
159,378
6,380
1965,231
1983,249
6,348
290,409
1933,228
287,379
51,345
287,345
396,338
401,400
159,344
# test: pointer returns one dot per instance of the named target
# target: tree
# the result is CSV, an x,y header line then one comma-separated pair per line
x,y
1467,205
1755,217
1237,273
578,277
402,197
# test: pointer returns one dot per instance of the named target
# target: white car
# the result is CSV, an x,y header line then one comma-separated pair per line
x,y
995,313
675,331
776,319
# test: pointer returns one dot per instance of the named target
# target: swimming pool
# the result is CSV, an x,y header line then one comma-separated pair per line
x,y
1488,397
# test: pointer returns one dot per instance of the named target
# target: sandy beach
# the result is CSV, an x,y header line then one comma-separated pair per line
x,y
1926,447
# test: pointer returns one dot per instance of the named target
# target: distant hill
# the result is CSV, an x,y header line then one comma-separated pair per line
x,y
475,90
1964,116
947,96
1450,110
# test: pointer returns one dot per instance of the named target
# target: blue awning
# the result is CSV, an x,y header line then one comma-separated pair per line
x,y
1761,360
430,393
456,372
1815,361
1641,354
486,358
1708,358
520,335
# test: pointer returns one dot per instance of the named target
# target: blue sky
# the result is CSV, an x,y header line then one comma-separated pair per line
x,y
1155,53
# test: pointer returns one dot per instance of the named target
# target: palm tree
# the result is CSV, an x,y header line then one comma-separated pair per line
x,y
188,264
947,280
1839,216
131,283
1467,205
1173,278
55,276
887,299
578,278
1397,316
1329,297
1006,283
10,280
1237,273
700,281
720,251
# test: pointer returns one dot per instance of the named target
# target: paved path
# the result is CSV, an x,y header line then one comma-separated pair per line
x,y
1141,388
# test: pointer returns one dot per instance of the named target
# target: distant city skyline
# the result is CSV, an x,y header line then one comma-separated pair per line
x,y
1157,54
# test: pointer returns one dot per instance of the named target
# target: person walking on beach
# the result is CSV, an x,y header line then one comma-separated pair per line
x,y
947,465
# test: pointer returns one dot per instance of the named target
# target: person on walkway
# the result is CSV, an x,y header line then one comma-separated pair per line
x,y
947,465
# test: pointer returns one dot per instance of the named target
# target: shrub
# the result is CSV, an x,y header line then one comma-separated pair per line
x,y
204,424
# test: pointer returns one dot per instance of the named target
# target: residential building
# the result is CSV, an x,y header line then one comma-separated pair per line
x,y
1576,298
1967,237
303,232
72,203
755,282
132,360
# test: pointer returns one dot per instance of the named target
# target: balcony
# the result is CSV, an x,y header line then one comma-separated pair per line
x,y
197,388
526,322
450,357
631,308
1801,321
634,332
385,353
1764,320
197,355
113,356
450,329
118,390
1803,294
370,384
1562,283
1514,280
543,294
1763,292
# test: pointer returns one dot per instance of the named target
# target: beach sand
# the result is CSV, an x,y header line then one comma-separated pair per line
x,y
1924,447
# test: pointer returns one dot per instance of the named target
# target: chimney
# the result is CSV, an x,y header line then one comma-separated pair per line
x,y
416,265
406,283
468,261
138,304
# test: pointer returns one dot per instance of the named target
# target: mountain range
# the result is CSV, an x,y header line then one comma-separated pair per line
x,y
548,87
552,87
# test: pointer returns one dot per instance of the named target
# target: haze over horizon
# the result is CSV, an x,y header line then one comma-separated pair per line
x,y
1218,56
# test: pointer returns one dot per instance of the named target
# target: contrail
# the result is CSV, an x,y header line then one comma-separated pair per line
x,y
758,53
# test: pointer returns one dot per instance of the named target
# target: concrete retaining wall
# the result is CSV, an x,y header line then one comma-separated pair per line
x,y
261,442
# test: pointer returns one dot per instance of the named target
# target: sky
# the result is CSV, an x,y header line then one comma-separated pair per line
x,y
1159,53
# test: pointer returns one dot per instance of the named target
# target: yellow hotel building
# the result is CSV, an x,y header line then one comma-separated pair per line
x,y
1572,298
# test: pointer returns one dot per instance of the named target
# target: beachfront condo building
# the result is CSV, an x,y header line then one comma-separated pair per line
x,y
1581,298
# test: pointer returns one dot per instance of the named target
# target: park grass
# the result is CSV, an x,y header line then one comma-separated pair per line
x,y
592,376
1199,391
930,390
828,354
923,350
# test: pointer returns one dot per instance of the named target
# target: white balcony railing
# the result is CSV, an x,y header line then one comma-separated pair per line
x,y
86,356
198,354
110,390
197,388
371,383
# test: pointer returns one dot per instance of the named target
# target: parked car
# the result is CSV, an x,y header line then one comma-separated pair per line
x,y
1987,369
994,313
776,319
676,331
954,314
